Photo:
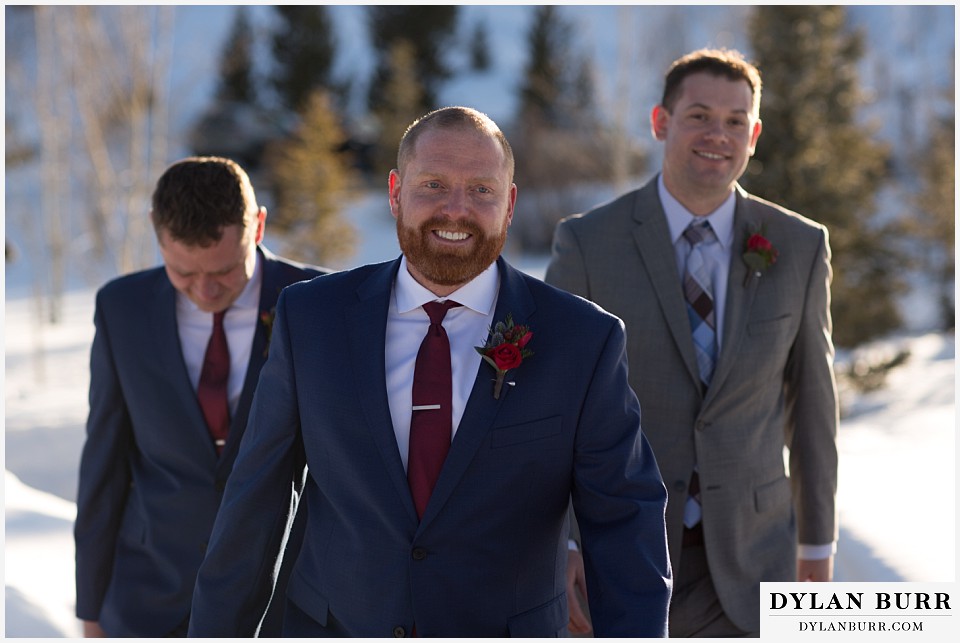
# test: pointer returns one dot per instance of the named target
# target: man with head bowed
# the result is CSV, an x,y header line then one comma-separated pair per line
x,y
448,407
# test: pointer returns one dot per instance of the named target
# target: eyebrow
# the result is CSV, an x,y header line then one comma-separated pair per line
x,y
707,107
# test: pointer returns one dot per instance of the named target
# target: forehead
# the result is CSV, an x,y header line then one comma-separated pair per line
x,y
214,257
457,149
715,91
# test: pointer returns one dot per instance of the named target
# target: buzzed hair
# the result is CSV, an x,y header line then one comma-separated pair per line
x,y
728,63
197,197
452,118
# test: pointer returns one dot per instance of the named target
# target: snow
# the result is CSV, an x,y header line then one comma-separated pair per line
x,y
897,497
897,488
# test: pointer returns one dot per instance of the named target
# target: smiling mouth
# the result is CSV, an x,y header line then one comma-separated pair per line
x,y
711,156
448,235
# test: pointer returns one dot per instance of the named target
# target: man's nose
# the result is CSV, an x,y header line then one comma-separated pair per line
x,y
455,205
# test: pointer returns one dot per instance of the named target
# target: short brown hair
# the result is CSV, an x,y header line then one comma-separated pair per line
x,y
197,197
719,62
452,118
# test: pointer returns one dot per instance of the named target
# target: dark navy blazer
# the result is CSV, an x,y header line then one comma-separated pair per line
x,y
150,478
489,556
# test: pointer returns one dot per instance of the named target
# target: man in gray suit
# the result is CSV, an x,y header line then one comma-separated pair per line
x,y
730,351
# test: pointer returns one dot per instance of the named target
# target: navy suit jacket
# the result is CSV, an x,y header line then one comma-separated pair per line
x,y
489,556
150,478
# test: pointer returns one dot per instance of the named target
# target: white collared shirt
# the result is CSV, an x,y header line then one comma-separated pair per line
x,y
240,324
721,220
407,323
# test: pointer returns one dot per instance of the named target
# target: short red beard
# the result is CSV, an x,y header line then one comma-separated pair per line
x,y
448,267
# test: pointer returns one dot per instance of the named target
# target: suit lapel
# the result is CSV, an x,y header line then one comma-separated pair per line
x,y
652,236
740,295
366,337
270,288
478,417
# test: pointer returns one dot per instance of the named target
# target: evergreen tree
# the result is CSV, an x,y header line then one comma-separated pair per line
x,y
429,29
544,79
236,62
480,48
935,222
303,50
813,157
311,178
401,104
560,141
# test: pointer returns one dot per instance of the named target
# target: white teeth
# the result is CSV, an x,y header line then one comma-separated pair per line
x,y
452,236
715,157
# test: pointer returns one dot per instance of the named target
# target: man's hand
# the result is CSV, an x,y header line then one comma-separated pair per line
x,y
576,590
92,630
807,570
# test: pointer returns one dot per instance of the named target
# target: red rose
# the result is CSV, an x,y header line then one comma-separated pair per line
x,y
757,243
523,340
506,356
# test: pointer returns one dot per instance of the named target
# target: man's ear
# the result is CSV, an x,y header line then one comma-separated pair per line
x,y
261,224
659,120
393,186
754,136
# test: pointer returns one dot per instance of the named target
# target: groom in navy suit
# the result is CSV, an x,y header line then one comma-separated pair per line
x,y
442,513
155,464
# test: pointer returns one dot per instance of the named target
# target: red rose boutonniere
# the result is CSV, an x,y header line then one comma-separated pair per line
x,y
506,349
759,254
266,318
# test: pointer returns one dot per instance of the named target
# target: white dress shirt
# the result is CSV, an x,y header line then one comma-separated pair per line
x,y
407,323
239,324
721,220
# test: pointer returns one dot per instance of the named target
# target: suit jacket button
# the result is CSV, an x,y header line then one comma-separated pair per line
x,y
399,632
679,486
419,553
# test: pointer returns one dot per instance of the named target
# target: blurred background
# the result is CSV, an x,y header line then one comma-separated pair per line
x,y
859,117
858,111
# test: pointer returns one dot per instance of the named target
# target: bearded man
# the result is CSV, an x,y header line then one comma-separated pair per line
x,y
441,465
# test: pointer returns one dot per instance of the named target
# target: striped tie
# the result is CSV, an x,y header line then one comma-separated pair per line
x,y
699,295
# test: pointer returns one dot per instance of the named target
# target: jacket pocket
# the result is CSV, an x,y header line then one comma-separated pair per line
x,y
525,432
772,494
549,619
768,326
305,596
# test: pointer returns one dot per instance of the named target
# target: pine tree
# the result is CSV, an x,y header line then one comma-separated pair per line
x,y
935,221
560,141
236,62
429,29
815,158
303,50
545,75
310,178
401,104
480,58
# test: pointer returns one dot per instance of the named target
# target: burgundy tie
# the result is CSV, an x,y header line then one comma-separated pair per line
x,y
431,424
212,390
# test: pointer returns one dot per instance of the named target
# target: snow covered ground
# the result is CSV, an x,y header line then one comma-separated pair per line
x,y
897,493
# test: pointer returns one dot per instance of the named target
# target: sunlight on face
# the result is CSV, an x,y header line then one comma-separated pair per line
x,y
453,205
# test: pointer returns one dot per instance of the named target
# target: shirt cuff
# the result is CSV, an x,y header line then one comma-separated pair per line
x,y
572,545
816,552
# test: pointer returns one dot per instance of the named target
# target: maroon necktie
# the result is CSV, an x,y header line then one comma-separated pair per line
x,y
212,390
431,424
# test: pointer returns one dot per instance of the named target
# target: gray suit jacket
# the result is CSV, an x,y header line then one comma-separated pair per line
x,y
773,385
